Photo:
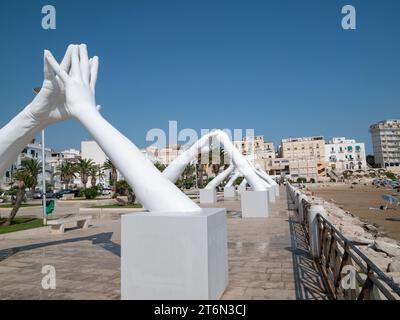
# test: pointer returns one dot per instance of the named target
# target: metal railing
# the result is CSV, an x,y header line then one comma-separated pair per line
x,y
349,273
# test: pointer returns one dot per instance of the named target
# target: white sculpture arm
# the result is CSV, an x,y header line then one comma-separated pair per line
x,y
219,178
175,169
153,190
265,176
240,162
244,182
46,108
232,180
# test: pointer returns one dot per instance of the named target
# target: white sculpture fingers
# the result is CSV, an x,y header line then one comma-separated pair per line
x,y
94,66
153,190
47,107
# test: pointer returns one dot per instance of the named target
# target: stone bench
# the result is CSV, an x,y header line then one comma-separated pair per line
x,y
68,196
58,225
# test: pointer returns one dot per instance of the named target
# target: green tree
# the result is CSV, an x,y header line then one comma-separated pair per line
x,y
124,189
390,175
67,172
25,178
216,164
108,165
161,167
95,172
84,167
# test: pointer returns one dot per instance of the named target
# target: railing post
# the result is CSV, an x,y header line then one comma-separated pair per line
x,y
312,215
301,206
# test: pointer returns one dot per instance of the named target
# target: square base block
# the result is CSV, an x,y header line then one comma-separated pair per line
x,y
271,194
174,255
208,196
241,189
229,192
254,204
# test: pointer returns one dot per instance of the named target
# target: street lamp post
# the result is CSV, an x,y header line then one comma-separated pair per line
x,y
44,180
37,90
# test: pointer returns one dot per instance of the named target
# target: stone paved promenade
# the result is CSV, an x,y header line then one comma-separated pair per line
x,y
268,259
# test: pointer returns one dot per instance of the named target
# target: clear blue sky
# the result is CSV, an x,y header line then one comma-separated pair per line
x,y
284,68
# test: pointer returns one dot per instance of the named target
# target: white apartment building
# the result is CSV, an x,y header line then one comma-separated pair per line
x,y
386,144
257,150
169,153
91,150
31,151
345,154
306,157
57,158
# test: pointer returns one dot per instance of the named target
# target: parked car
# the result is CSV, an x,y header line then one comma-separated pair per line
x,y
106,192
50,195
60,193
37,195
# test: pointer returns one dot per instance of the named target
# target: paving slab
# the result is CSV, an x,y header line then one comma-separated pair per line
x,y
268,259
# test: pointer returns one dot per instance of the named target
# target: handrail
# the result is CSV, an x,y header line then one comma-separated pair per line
x,y
333,251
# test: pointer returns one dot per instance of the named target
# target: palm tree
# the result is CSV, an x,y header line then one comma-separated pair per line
x,y
67,172
84,166
108,165
221,163
189,171
161,167
26,178
95,172
199,170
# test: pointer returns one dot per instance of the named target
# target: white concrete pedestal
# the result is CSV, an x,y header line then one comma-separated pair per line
x,y
241,189
254,204
174,255
208,195
230,192
271,194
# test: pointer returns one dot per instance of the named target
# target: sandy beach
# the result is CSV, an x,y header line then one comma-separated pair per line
x,y
359,200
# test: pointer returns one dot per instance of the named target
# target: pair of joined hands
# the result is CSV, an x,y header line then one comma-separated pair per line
x,y
68,89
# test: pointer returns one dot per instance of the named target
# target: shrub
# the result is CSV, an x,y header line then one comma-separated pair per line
x,y
238,181
122,188
89,193
390,175
312,180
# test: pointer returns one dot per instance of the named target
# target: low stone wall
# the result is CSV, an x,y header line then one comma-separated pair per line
x,y
384,252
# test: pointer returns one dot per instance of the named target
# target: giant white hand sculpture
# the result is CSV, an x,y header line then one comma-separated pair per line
x,y
46,108
176,168
232,180
243,183
267,178
219,178
153,190
178,165
264,175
